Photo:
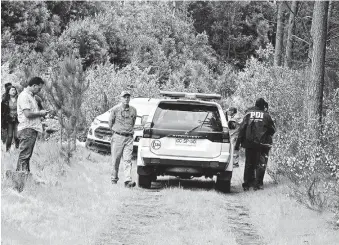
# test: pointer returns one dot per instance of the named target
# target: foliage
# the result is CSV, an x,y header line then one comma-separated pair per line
x,y
147,46
66,94
106,83
236,29
308,162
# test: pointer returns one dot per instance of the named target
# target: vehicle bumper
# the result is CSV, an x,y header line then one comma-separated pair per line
x,y
98,145
148,163
93,143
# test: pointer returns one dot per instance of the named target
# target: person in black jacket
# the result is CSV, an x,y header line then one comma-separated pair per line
x,y
9,119
3,123
268,141
255,130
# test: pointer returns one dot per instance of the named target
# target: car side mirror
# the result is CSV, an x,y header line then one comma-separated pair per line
x,y
226,114
232,125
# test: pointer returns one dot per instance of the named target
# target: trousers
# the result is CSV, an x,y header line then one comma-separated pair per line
x,y
12,132
121,150
27,139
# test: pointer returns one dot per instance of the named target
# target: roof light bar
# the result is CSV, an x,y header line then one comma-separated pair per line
x,y
191,95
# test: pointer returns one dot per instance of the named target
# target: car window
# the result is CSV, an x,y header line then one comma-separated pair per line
x,y
187,116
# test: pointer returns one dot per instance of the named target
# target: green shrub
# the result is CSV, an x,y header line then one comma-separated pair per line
x,y
309,163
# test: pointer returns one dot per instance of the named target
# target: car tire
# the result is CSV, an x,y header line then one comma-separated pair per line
x,y
145,181
223,185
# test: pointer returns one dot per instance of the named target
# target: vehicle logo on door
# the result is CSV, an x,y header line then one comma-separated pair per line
x,y
156,144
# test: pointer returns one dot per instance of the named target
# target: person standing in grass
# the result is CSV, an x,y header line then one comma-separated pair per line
x,y
255,127
10,116
122,121
29,117
3,108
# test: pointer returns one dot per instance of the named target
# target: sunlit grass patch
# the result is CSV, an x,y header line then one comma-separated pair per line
x,y
192,219
63,209
281,220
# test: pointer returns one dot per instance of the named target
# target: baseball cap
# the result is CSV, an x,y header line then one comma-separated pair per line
x,y
123,93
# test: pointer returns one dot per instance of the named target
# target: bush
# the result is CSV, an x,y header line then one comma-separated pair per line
x,y
310,164
106,84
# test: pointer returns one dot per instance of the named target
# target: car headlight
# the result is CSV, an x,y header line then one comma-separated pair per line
x,y
96,121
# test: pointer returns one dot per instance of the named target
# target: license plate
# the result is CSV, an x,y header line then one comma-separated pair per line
x,y
185,142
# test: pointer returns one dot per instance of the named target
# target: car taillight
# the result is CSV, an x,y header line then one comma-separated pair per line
x,y
147,131
225,135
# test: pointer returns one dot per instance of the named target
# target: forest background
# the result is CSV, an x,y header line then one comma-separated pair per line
x,y
285,52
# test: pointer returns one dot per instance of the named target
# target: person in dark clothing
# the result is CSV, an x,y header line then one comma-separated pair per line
x,y
268,140
3,124
10,116
255,130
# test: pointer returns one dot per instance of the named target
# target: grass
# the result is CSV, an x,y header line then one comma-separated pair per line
x,y
64,209
78,205
282,220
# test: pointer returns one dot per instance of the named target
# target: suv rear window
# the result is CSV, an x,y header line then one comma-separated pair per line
x,y
184,116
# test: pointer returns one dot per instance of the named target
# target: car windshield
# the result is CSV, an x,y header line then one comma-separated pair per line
x,y
189,117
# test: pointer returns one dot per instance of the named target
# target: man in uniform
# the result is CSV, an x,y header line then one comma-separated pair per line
x,y
267,142
254,129
121,121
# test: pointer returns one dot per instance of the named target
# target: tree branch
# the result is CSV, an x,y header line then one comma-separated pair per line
x,y
333,37
300,39
288,6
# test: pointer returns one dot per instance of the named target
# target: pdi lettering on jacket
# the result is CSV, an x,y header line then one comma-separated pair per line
x,y
256,116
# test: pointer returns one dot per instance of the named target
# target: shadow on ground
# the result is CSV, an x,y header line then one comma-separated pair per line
x,y
192,184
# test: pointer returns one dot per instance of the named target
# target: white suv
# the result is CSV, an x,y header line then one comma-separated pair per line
x,y
186,136
99,134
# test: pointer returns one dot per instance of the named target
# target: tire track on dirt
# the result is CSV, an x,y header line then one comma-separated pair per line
x,y
240,222
137,214
142,211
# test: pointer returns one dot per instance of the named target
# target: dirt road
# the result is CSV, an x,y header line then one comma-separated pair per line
x,y
178,211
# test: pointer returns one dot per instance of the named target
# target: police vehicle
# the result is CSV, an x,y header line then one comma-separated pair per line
x,y
99,134
186,135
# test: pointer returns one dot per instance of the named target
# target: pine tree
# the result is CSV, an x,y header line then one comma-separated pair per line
x,y
279,35
316,84
66,92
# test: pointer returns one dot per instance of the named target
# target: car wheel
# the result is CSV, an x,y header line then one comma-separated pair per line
x,y
145,181
223,185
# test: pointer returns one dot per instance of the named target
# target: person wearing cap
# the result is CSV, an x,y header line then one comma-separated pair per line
x,y
255,127
121,121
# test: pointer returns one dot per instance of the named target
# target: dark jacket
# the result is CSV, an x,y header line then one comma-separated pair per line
x,y
5,114
256,129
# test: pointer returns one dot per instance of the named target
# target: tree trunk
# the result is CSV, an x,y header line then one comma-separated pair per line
x,y
173,8
329,12
289,43
61,131
279,36
316,85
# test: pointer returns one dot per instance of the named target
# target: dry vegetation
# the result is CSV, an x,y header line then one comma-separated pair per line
x,y
77,205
